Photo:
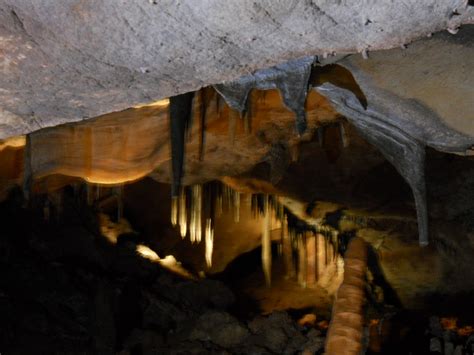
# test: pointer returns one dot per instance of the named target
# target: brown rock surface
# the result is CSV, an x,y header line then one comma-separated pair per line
x,y
346,328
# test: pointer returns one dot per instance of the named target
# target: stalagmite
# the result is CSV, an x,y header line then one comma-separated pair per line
x,y
266,242
183,222
346,330
290,78
209,240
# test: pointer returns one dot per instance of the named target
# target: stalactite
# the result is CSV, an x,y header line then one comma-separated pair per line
x,y
119,194
232,125
183,222
247,119
305,259
294,251
343,134
317,264
27,170
320,132
198,212
192,222
47,210
286,248
174,210
204,101
290,78
294,152
312,258
236,206
97,192
281,217
304,255
404,150
209,240
253,205
219,204
89,198
218,104
180,109
59,205
228,198
266,242
301,260
326,261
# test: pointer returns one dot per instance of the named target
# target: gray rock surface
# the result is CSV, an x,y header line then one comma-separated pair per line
x,y
72,60
219,328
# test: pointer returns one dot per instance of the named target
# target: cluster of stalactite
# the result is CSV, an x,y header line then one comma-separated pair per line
x,y
306,250
402,146
195,209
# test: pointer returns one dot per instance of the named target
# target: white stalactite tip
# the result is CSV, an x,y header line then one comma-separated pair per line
x,y
174,210
365,54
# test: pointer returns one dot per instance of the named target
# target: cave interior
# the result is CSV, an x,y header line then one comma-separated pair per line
x,y
323,204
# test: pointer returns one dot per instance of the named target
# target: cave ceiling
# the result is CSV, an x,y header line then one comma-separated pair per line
x,y
73,60
285,70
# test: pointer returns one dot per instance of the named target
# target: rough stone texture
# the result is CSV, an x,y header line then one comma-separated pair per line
x,y
427,88
55,300
72,60
128,145
347,323
409,105
219,328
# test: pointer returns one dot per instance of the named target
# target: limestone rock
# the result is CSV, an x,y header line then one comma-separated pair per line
x,y
68,61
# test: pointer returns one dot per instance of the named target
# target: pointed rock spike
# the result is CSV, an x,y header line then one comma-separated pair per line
x,y
180,109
